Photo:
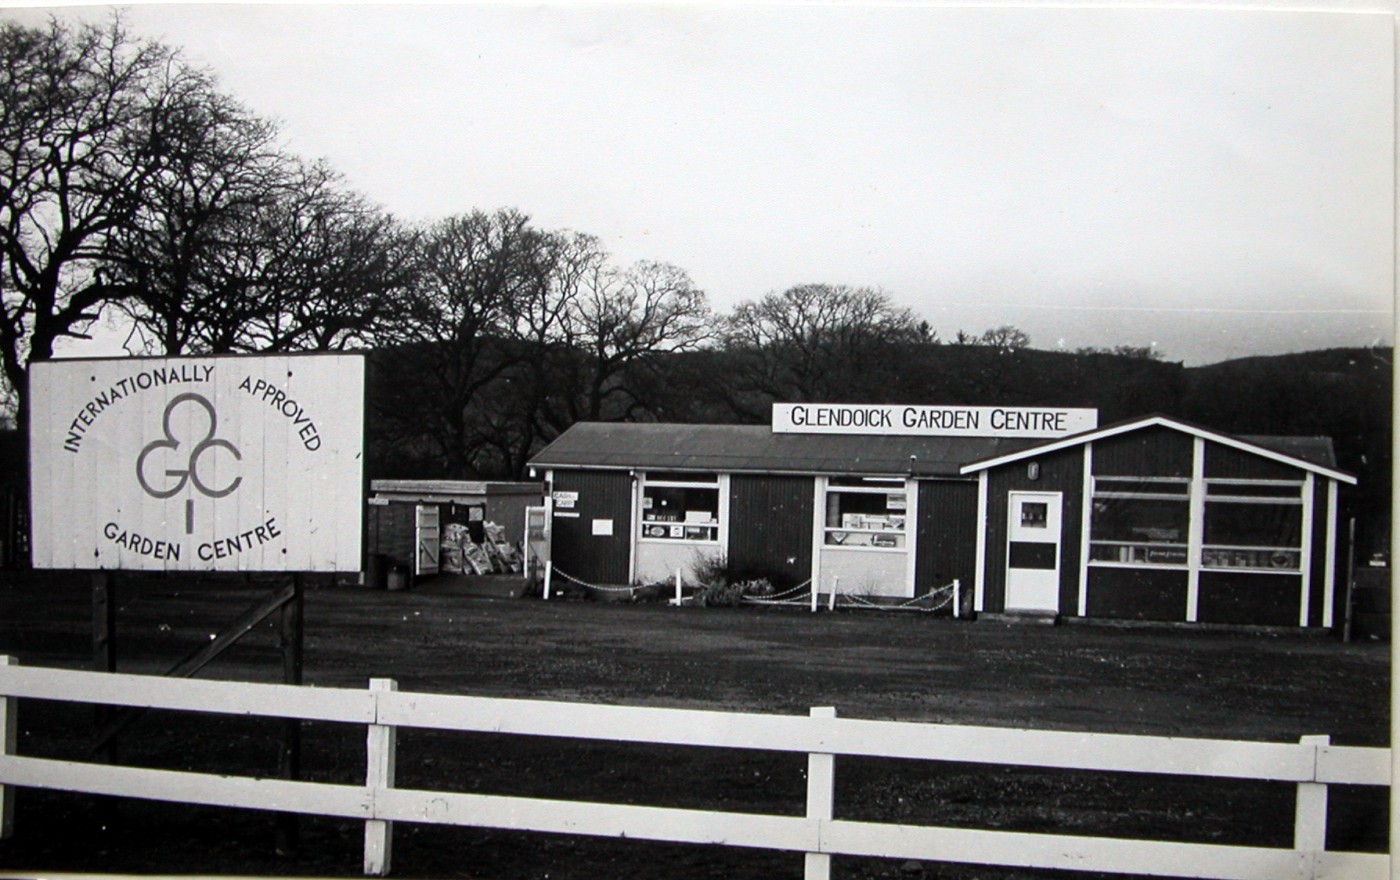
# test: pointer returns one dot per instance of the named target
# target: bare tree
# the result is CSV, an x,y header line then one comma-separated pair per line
x,y
337,272
474,272
86,119
815,342
592,344
180,249
1005,338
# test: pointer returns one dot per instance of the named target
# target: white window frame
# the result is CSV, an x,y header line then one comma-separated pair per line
x,y
718,527
1300,500
870,486
1183,497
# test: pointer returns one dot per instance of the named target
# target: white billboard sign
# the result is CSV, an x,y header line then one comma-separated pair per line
x,y
198,463
890,419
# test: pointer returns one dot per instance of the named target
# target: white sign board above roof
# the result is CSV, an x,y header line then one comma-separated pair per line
x,y
198,464
889,419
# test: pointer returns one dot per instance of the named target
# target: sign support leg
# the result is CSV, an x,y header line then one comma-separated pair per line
x,y
289,757
104,659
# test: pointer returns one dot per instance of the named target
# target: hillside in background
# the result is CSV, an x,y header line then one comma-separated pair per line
x,y
1344,394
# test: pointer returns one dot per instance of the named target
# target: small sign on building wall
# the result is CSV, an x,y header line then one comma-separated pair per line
x,y
565,500
198,464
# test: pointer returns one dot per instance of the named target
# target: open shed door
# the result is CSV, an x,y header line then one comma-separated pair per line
x,y
427,539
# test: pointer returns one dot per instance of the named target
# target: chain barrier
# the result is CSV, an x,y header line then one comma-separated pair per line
x,y
782,598
801,595
568,577
855,600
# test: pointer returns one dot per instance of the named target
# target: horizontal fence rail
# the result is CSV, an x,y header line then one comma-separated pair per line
x,y
1311,764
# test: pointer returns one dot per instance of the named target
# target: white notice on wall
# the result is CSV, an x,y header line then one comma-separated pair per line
x,y
602,527
565,500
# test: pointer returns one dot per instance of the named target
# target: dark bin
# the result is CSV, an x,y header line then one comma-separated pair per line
x,y
376,571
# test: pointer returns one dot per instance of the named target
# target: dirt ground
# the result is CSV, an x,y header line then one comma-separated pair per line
x,y
1264,685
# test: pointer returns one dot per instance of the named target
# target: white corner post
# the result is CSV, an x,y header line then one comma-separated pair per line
x,y
821,794
8,744
548,576
1310,812
381,746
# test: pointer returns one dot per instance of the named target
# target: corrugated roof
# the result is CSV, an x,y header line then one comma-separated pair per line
x,y
756,448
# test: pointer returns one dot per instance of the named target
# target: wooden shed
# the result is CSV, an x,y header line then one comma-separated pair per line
x,y
1157,519
406,516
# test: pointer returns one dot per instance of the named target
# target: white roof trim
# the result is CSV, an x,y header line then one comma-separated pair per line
x,y
1162,421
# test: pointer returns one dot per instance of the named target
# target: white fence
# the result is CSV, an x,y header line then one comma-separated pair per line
x,y
1312,764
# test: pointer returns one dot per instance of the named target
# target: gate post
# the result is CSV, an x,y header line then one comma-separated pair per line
x,y
381,747
1310,811
9,707
821,792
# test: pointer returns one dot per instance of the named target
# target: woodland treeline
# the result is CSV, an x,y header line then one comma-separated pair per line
x,y
135,192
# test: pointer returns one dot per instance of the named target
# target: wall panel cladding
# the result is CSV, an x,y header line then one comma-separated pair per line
x,y
946,534
1150,452
1058,472
770,527
391,531
577,552
1250,598
1226,461
1137,594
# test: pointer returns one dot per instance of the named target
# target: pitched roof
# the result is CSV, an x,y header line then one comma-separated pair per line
x,y
1313,454
756,448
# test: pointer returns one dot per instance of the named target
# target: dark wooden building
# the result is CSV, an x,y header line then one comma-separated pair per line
x,y
1151,519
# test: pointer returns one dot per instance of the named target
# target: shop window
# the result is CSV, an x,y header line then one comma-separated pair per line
x,y
866,513
1253,526
1140,522
680,507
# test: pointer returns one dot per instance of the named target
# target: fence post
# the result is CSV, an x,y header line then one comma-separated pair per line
x,y
9,708
1310,812
821,791
381,747
548,575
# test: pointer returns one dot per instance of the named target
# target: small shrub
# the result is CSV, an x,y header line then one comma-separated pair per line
x,y
654,592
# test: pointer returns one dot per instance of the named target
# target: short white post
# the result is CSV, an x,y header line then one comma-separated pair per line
x,y
9,707
821,793
548,576
678,586
1310,811
381,748
957,598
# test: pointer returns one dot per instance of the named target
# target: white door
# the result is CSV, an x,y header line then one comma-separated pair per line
x,y
428,533
1033,552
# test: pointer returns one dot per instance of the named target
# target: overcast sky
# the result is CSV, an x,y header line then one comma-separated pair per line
x,y
1217,183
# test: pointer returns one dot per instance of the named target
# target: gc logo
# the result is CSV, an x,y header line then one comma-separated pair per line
x,y
189,473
